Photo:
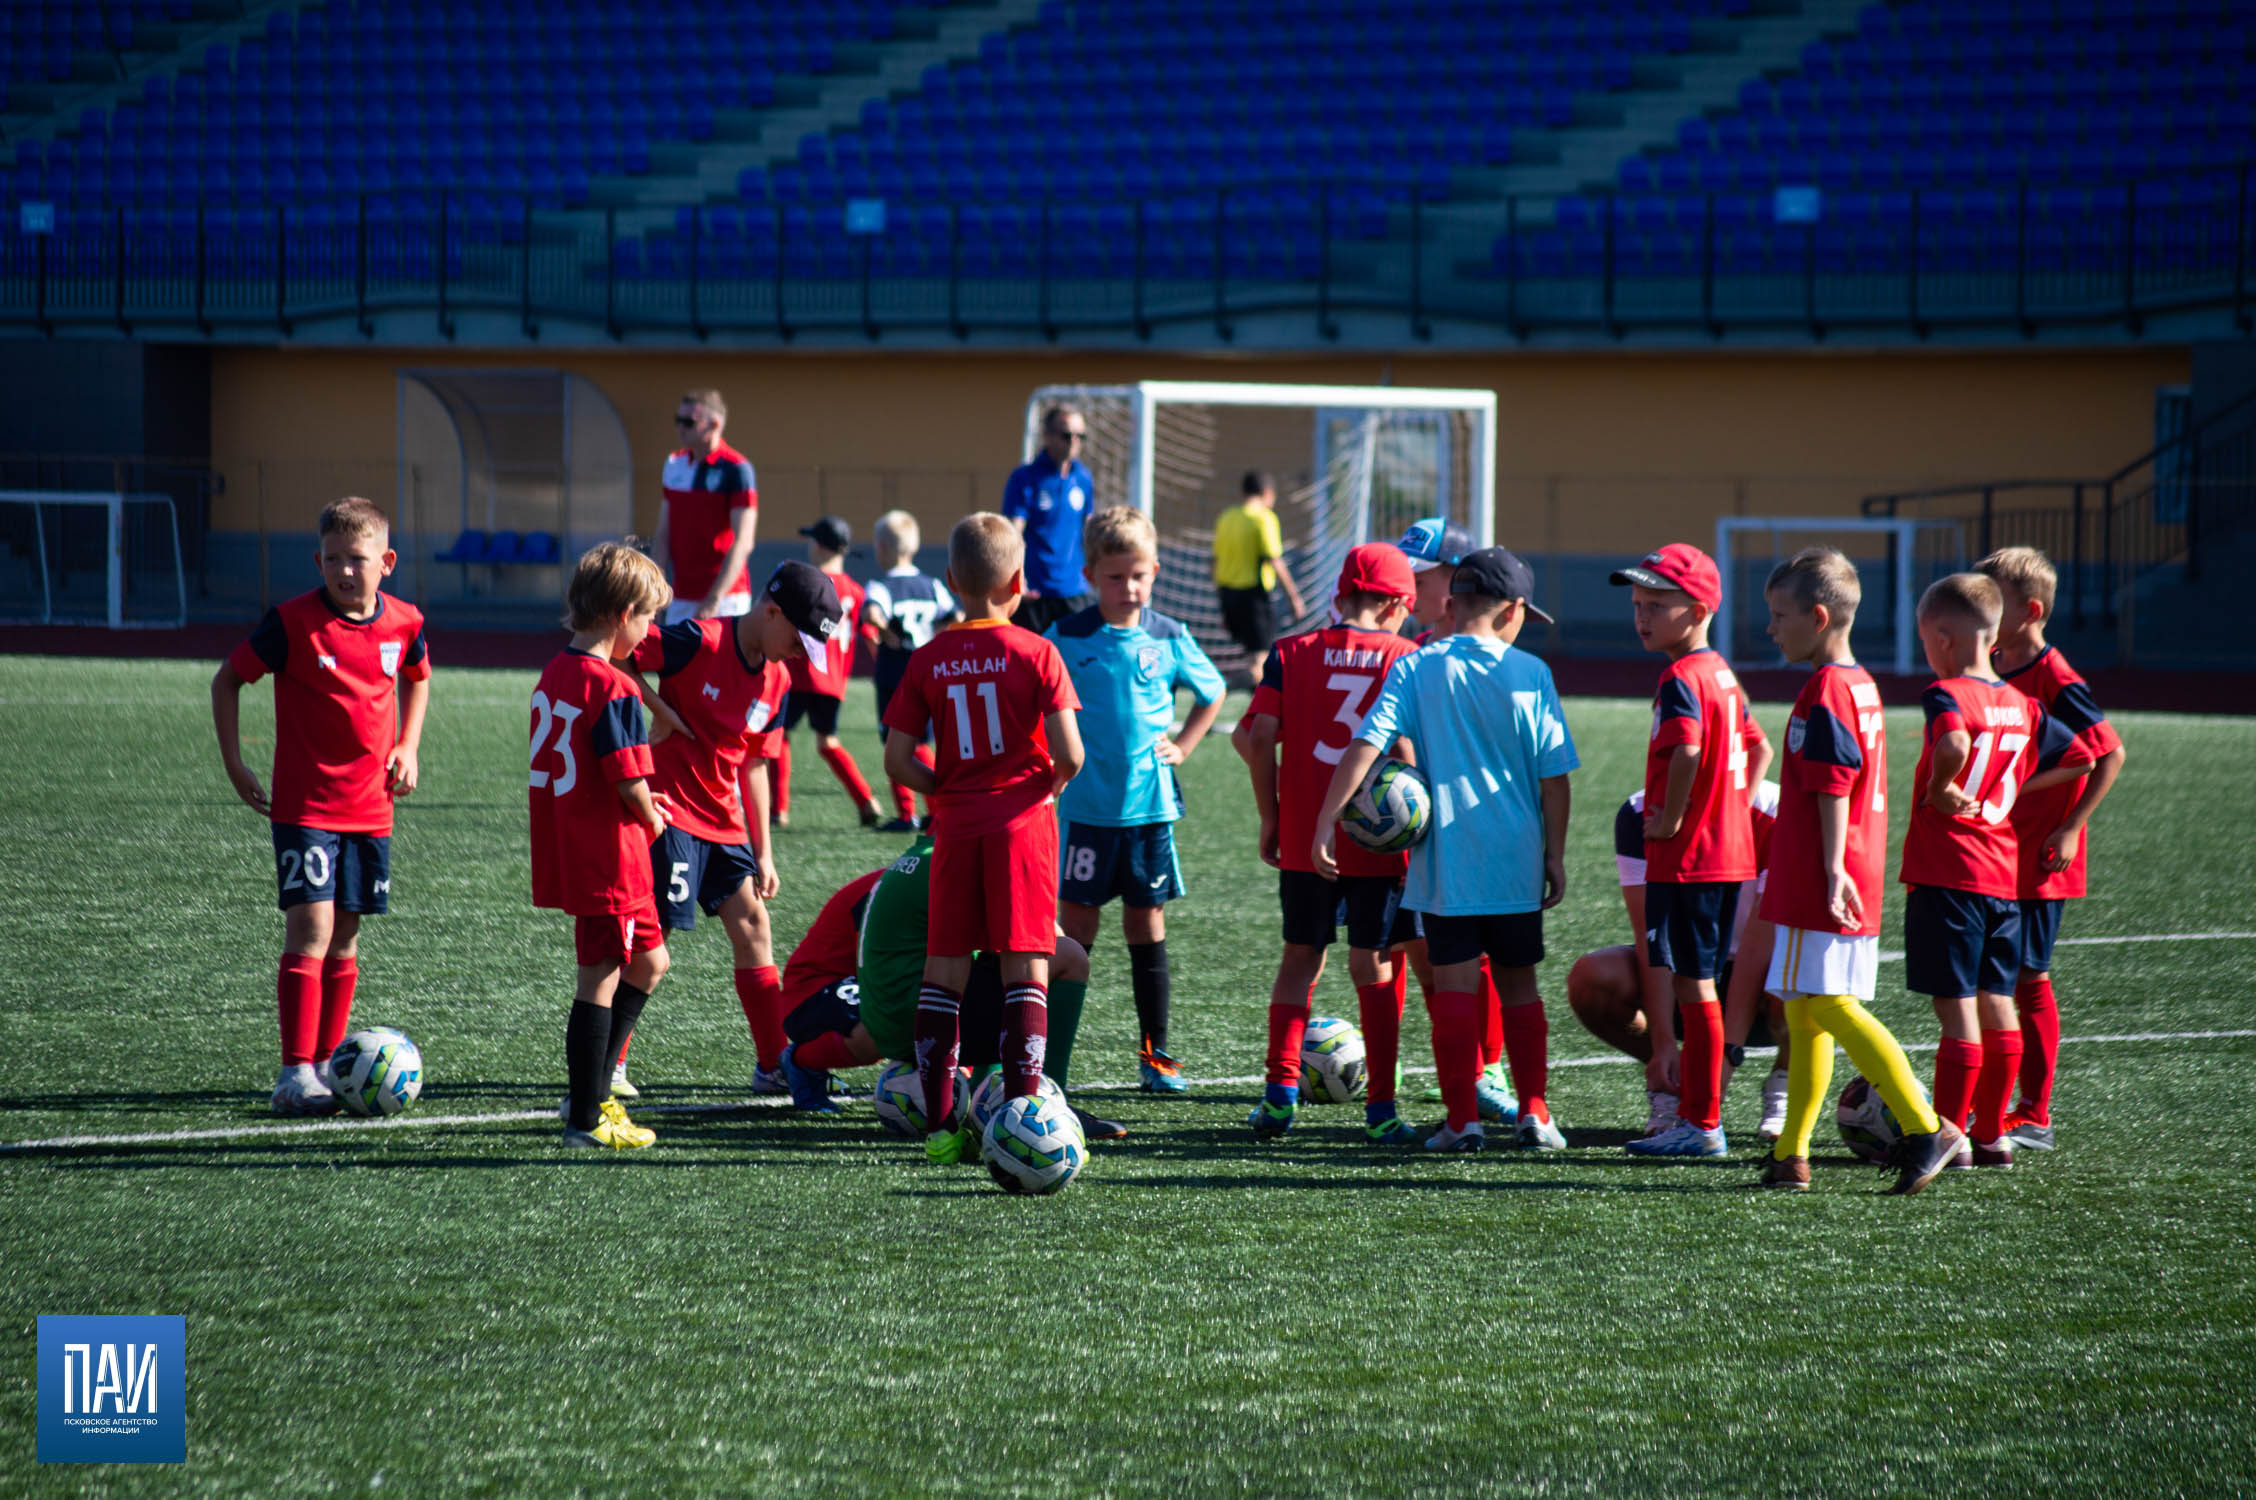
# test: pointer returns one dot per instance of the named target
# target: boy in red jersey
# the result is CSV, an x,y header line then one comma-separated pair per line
x,y
593,822
2048,824
1705,758
818,681
1828,858
1001,711
1314,690
351,683
1985,746
722,682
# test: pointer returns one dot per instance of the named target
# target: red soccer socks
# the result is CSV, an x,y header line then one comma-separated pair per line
x,y
297,995
760,992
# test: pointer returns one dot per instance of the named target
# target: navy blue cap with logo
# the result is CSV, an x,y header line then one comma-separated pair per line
x,y
1497,573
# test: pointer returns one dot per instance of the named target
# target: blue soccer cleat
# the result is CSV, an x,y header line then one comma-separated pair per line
x,y
1271,1120
1494,1098
1157,1073
810,1090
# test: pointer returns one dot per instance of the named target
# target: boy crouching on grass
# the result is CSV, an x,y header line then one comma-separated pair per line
x,y
593,824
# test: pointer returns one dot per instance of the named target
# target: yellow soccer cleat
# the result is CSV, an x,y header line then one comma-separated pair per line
x,y
945,1148
615,1115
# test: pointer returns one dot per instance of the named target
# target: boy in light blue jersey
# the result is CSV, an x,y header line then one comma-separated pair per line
x,y
1116,818
1491,738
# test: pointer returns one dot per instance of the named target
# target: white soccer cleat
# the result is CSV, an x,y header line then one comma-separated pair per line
x,y
1660,1111
1532,1134
300,1091
1471,1138
1682,1139
1774,1106
770,1081
326,1074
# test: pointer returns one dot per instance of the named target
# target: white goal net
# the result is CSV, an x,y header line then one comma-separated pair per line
x,y
1352,464
1896,558
76,557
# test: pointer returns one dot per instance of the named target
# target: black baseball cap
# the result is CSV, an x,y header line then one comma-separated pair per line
x,y
805,595
830,532
1497,573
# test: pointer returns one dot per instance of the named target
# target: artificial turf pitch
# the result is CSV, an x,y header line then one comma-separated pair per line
x,y
768,1304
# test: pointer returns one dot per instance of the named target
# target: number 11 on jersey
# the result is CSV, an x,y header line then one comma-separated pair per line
x,y
959,698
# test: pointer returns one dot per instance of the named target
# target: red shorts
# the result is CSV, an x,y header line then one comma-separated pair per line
x,y
995,892
611,941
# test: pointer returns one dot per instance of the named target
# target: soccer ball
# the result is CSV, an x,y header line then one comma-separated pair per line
x,y
1391,810
1332,1068
899,1099
1033,1145
988,1098
1868,1126
378,1072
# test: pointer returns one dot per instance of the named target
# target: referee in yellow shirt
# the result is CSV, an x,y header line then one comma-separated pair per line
x,y
1249,561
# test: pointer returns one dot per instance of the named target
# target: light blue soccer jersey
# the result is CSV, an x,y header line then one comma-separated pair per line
x,y
1127,680
1486,722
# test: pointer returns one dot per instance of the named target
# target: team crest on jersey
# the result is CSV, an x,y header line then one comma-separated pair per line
x,y
388,653
1076,497
1796,730
1147,660
713,480
326,660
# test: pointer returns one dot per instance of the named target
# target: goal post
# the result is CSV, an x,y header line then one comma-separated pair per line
x,y
1896,558
1352,464
91,557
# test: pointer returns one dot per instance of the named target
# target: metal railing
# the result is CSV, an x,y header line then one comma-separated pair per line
x,y
1915,260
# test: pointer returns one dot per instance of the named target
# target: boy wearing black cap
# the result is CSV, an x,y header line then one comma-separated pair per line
x,y
1485,722
818,683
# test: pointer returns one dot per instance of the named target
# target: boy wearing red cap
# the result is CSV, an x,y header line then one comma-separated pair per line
x,y
1313,694
1704,759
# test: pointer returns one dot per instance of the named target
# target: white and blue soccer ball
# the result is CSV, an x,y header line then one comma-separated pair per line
x,y
377,1071
1868,1127
988,1098
1391,810
1333,1069
1033,1145
899,1099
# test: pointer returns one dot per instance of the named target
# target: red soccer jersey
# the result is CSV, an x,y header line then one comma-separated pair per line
x,y
702,497
336,706
1699,704
1977,853
2067,700
831,950
1836,746
704,676
984,687
590,855
1317,686
829,675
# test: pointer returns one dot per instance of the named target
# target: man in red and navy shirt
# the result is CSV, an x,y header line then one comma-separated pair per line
x,y
351,683
1704,759
708,513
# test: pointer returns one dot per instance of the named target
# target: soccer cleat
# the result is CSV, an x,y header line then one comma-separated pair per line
x,y
1493,1096
614,1114
1471,1138
770,1081
1157,1073
1682,1139
1921,1158
616,1134
2026,1133
1660,1111
300,1091
900,825
1391,1131
872,815
1432,1093
620,1088
1964,1160
1774,1106
326,1074
1271,1120
1533,1134
945,1148
1791,1175
779,819
1997,1153
1096,1127
810,1090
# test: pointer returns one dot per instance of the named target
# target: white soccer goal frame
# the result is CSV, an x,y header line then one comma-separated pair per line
x,y
1904,529
114,503
1144,394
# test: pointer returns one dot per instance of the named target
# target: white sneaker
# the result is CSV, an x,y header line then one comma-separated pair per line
x,y
1774,1106
1682,1139
1532,1134
770,1081
620,1088
1471,1138
1660,1111
300,1091
326,1074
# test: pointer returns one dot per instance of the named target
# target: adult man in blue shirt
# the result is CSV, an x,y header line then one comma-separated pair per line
x,y
1048,500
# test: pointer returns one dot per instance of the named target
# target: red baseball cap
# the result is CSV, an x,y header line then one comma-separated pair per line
x,y
1376,568
1679,565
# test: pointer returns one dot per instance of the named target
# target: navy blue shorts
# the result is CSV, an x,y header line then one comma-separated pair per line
x,y
352,869
837,1006
1405,928
1137,864
689,872
820,710
1511,940
2040,929
1688,925
1956,943
1315,908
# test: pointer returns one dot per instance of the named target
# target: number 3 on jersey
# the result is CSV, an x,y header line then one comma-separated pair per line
x,y
959,698
558,717
1355,695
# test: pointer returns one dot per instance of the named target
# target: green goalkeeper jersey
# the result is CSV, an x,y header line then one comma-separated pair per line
x,y
890,968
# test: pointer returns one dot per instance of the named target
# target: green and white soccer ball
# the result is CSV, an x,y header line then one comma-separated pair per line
x,y
988,1097
1332,1065
1391,810
378,1071
899,1099
1868,1126
1033,1145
